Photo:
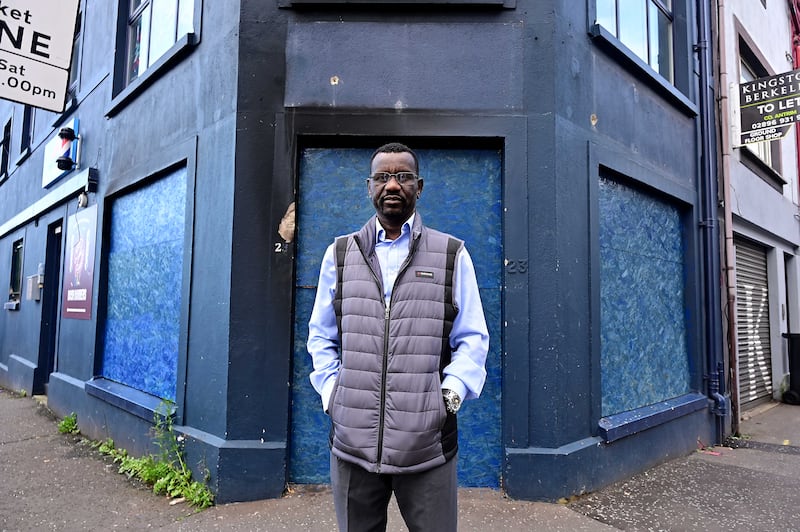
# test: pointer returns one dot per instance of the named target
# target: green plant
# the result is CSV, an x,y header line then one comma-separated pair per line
x,y
167,472
105,447
69,425
22,392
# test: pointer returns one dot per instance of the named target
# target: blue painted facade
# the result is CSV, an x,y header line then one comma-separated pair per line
x,y
584,172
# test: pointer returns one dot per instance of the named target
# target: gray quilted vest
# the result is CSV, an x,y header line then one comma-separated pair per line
x,y
386,407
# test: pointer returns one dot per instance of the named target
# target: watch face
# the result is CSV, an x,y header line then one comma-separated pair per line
x,y
453,401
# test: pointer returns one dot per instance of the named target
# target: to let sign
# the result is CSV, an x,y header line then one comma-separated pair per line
x,y
35,51
768,107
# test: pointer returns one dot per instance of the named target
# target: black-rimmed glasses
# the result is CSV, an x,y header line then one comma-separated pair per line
x,y
403,178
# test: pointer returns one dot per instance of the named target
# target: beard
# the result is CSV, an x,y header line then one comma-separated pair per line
x,y
394,208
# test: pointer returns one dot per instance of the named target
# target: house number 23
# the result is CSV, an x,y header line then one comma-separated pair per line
x,y
517,266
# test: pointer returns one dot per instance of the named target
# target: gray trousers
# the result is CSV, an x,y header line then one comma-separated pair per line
x,y
428,501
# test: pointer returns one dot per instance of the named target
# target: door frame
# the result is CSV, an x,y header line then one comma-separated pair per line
x,y
300,128
51,303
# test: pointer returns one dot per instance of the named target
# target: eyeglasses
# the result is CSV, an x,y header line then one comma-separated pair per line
x,y
403,178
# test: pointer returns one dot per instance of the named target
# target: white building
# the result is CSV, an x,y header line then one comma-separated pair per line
x,y
758,186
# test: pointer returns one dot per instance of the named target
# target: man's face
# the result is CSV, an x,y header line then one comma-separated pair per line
x,y
394,202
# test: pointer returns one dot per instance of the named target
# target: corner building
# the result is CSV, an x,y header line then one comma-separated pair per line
x,y
224,144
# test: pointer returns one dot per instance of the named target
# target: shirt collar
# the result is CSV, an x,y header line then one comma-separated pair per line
x,y
380,233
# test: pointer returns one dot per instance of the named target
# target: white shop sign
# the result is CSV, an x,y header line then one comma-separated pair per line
x,y
35,51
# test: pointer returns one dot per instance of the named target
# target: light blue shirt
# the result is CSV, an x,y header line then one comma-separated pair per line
x,y
469,338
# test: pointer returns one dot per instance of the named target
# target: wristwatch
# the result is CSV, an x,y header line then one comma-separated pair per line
x,y
452,401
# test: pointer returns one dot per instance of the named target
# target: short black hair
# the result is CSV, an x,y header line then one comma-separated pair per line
x,y
395,147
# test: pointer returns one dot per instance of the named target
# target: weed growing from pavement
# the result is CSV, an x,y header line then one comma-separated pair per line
x,y
167,472
69,425
737,441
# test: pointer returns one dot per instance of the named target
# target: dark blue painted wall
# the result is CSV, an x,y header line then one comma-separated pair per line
x,y
266,78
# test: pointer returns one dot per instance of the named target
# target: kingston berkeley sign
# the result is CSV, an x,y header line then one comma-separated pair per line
x,y
768,107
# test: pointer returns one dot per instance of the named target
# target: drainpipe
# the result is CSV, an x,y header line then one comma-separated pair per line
x,y
730,260
709,230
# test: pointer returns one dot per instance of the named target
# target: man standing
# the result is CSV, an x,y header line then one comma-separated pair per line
x,y
398,339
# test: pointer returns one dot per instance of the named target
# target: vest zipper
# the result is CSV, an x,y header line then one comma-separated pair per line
x,y
385,366
384,363
384,371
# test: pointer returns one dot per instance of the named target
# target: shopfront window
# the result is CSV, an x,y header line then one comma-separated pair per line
x,y
644,356
144,286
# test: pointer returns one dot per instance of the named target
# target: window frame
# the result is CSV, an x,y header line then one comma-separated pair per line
x,y
26,135
111,290
648,36
159,163
124,91
5,151
635,172
677,210
74,76
681,91
17,259
73,87
752,58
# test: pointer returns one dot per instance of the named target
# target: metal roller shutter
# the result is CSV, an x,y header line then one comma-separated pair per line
x,y
752,315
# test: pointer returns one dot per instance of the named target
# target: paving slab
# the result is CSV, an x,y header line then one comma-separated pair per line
x,y
775,423
713,489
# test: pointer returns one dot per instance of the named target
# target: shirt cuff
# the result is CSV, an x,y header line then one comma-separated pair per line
x,y
325,394
453,383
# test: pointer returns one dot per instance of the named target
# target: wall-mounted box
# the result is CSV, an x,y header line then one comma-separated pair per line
x,y
33,288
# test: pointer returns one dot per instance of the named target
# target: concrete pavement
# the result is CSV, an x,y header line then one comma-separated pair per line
x,y
50,481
